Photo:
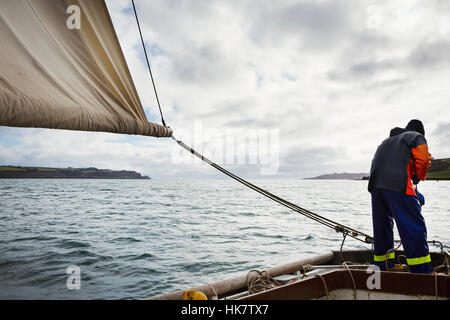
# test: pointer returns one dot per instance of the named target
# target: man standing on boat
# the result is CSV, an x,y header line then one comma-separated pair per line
x,y
400,162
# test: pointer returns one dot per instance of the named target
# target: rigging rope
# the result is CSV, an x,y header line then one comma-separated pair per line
x,y
347,231
148,64
327,222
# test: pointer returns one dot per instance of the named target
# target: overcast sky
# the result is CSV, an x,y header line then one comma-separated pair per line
x,y
326,80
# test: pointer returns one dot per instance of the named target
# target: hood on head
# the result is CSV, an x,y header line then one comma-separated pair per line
x,y
416,125
395,131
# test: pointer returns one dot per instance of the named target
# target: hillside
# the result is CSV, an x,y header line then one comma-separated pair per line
x,y
439,170
340,176
11,172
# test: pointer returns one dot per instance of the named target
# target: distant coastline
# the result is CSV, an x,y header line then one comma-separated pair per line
x,y
340,176
439,170
18,172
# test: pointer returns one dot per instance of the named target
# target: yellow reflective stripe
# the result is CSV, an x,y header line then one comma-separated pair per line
x,y
420,260
383,257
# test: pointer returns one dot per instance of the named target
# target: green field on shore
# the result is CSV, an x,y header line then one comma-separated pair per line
x,y
439,170
14,172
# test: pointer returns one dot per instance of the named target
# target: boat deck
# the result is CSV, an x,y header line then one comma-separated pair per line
x,y
334,275
347,285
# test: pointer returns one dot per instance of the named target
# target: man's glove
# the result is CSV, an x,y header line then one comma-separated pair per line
x,y
415,180
421,198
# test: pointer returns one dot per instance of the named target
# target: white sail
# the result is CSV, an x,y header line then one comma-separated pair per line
x,y
63,73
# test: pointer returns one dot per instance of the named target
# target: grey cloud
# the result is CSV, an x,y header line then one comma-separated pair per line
x,y
181,34
443,132
364,56
307,162
428,54
361,70
365,73
440,5
431,54
307,156
255,123
317,25
439,140
394,83
371,67
206,64
230,108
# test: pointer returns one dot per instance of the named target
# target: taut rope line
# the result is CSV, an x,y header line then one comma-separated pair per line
x,y
331,224
148,64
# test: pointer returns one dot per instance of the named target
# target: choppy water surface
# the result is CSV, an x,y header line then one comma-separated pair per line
x,y
133,239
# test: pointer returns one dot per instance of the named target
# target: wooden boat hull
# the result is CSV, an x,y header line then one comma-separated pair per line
x,y
330,279
338,285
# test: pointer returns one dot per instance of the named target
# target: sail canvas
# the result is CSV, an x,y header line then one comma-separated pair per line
x,y
62,76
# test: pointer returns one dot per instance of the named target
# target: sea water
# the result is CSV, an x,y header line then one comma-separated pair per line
x,y
132,239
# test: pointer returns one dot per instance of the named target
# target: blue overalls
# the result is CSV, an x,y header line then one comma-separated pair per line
x,y
388,206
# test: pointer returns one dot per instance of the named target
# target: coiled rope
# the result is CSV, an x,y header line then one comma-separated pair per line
x,y
261,282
